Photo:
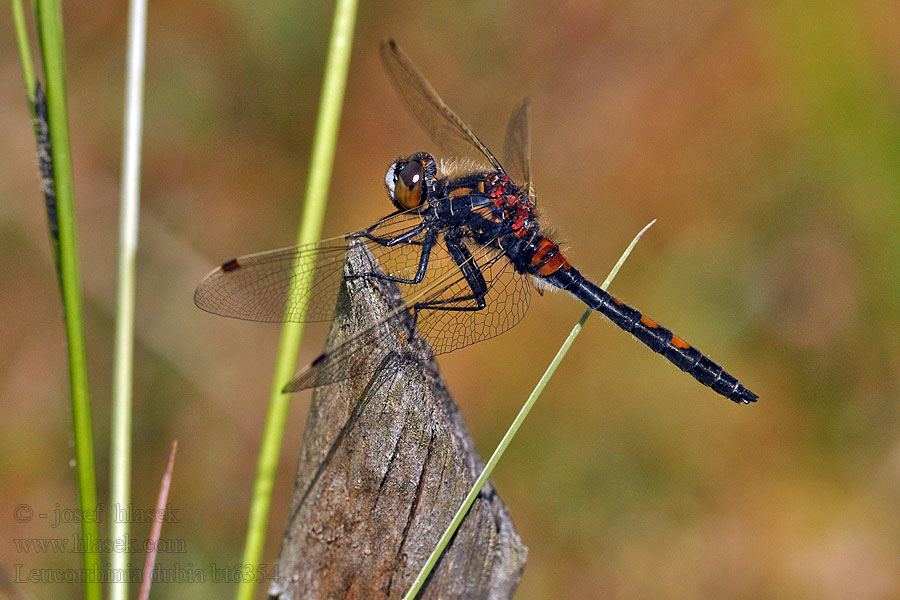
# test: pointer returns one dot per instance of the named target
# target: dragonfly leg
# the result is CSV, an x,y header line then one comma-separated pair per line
x,y
427,244
404,237
473,277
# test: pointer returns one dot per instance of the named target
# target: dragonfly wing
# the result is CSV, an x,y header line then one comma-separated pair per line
x,y
301,283
290,284
442,124
366,331
506,301
361,354
517,147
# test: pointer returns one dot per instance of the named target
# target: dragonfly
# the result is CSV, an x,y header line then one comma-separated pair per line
x,y
464,246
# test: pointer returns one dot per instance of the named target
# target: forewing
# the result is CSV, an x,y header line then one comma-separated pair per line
x,y
258,287
301,283
517,147
442,124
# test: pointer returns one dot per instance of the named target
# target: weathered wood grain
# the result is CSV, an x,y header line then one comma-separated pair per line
x,y
385,462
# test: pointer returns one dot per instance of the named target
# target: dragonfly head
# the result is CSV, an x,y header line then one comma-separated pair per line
x,y
411,182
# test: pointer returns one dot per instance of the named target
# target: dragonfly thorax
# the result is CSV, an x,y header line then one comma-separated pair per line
x,y
412,182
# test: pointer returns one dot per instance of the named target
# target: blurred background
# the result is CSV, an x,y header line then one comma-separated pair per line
x,y
763,137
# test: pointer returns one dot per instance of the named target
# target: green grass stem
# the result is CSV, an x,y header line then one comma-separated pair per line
x,y
48,15
18,14
123,358
310,230
511,432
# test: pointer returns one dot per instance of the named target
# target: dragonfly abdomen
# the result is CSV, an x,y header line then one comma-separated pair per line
x,y
656,337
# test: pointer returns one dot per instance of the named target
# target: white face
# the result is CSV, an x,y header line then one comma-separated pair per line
x,y
390,180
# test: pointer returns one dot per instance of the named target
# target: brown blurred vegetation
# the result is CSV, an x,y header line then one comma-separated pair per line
x,y
764,137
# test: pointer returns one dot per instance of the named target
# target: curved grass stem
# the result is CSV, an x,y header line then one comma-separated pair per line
x,y
511,432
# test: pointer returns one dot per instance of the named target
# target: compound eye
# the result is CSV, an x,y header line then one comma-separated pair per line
x,y
408,188
411,175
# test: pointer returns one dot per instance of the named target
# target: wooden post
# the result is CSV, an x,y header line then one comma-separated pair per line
x,y
385,462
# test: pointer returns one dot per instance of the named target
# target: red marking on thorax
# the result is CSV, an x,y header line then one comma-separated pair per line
x,y
498,185
520,219
515,206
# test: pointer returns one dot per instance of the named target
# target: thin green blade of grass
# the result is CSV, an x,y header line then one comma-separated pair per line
x,y
48,15
321,161
511,432
18,14
37,106
123,357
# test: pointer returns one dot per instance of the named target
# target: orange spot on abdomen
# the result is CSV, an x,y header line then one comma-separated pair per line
x,y
649,322
679,343
556,262
545,247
